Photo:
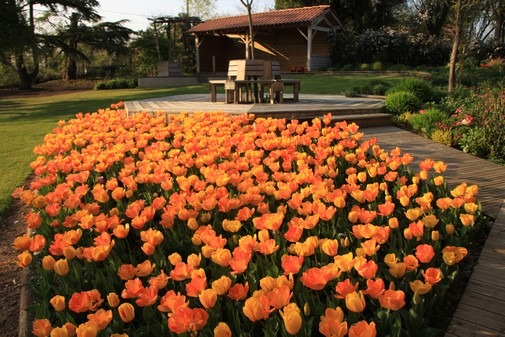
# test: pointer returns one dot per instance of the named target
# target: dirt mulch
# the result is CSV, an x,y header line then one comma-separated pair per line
x,y
50,88
11,226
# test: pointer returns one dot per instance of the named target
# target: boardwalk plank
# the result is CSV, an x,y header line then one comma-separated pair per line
x,y
463,328
485,319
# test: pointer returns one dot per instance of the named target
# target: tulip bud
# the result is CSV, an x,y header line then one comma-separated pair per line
x,y
222,330
69,252
449,228
306,309
435,235
407,234
192,224
61,267
113,300
208,298
126,312
48,262
58,302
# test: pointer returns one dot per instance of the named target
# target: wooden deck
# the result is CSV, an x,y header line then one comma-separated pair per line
x,y
481,311
363,111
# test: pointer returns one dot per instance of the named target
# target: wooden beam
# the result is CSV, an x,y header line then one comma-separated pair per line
x,y
198,43
309,46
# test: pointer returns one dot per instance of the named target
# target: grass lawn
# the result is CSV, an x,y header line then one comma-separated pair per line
x,y
24,121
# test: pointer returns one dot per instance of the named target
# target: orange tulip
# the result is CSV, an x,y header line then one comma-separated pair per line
x,y
344,262
126,312
392,299
58,302
61,267
41,327
292,318
186,320
221,285
221,256
291,264
100,319
355,301
332,324
24,259
87,329
314,278
196,286
420,287
171,301
279,297
222,330
238,291
59,332
48,262
343,288
147,297
113,300
425,253
398,269
363,329
375,288
208,298
257,307
452,255
467,219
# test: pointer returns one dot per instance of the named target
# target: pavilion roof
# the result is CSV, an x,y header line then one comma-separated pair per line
x,y
278,18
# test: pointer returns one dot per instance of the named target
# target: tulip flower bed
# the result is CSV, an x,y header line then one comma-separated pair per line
x,y
214,225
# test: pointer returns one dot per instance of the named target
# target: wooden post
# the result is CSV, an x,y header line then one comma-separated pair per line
x,y
213,64
197,54
309,47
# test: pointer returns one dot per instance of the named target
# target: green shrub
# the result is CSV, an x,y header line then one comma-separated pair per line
x,y
402,101
347,67
442,136
377,66
474,141
101,86
351,93
118,83
420,88
399,67
428,120
364,66
379,89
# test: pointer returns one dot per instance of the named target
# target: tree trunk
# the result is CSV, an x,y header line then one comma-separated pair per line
x,y
71,69
25,78
251,32
455,48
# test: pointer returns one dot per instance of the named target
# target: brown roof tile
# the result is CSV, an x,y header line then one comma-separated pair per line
x,y
283,17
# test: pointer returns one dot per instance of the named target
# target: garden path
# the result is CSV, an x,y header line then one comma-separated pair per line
x,y
480,311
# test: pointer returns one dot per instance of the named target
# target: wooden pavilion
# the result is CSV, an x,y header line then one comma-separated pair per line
x,y
296,37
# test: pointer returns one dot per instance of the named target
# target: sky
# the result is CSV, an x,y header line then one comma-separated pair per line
x,y
138,11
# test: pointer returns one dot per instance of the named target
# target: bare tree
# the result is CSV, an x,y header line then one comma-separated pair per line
x,y
250,45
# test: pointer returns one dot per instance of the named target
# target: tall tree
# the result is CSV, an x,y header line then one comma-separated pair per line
x,y
26,54
461,9
201,8
432,14
69,39
356,15
250,45
498,14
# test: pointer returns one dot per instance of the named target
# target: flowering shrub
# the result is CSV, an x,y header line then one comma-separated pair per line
x,y
219,226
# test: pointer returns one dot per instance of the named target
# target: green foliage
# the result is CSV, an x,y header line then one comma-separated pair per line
x,y
118,83
474,141
347,67
364,66
442,136
351,93
377,66
379,89
428,120
399,102
420,88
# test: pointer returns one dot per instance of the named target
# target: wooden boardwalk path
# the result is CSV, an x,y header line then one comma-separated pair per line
x,y
481,310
